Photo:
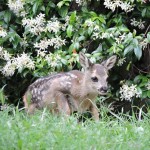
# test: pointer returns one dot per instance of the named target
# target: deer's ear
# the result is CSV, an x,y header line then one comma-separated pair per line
x,y
84,61
110,62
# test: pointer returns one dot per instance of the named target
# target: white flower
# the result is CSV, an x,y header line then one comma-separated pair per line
x,y
80,2
108,4
128,92
96,28
42,45
113,4
95,35
127,7
106,35
8,69
64,26
20,62
24,43
144,43
4,54
122,37
56,42
139,24
51,60
3,33
148,85
36,25
53,26
23,61
117,3
118,41
17,6
41,53
89,23
121,61
1,52
134,22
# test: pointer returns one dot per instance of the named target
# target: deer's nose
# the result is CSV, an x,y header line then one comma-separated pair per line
x,y
104,89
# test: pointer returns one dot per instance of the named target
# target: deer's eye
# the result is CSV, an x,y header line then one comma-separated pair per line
x,y
94,79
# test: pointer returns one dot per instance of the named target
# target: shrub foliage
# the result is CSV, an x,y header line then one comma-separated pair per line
x,y
40,37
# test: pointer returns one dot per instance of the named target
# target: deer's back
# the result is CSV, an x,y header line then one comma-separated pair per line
x,y
46,87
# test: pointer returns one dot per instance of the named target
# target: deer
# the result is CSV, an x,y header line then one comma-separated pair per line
x,y
66,92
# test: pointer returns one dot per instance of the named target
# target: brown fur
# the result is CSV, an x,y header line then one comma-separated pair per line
x,y
70,91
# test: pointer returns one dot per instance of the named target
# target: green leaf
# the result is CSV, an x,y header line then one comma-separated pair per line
x,y
138,52
148,37
144,12
128,49
90,30
92,13
72,18
7,16
2,96
123,29
71,48
69,31
60,4
81,38
35,7
63,11
148,94
76,45
135,42
100,18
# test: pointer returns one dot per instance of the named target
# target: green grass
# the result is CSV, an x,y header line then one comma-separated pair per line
x,y
43,131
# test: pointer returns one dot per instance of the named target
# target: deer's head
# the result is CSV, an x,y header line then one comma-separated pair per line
x,y
95,75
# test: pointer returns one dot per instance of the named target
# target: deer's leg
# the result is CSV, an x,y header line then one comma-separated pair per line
x,y
62,103
31,109
95,113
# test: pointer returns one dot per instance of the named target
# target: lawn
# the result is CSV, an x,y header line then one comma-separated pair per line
x,y
43,131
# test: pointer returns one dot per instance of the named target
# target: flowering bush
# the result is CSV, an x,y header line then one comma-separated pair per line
x,y
39,37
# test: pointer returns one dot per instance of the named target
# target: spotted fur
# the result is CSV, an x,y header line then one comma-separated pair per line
x,y
70,91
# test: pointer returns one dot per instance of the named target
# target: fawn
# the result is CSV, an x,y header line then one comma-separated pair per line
x,y
70,91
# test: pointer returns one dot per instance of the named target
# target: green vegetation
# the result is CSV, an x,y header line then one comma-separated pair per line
x,y
44,131
40,37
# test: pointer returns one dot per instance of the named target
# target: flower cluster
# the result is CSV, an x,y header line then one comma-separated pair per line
x,y
120,39
4,54
8,69
36,25
53,59
3,32
128,92
56,42
113,4
17,6
19,62
53,26
148,85
139,24
23,61
144,43
121,61
80,2
97,34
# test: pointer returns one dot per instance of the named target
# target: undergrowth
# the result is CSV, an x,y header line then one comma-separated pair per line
x,y
44,131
